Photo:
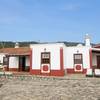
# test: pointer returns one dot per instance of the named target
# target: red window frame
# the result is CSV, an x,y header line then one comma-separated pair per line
x,y
78,59
45,58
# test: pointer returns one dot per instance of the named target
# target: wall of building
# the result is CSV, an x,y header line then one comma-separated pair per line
x,y
69,56
54,50
1,57
13,62
56,59
27,61
94,58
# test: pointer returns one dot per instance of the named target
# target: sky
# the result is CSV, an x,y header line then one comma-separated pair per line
x,y
49,20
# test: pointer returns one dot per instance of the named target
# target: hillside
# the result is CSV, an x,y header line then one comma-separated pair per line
x,y
10,44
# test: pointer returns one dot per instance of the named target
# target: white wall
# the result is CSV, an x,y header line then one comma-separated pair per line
x,y
54,49
70,51
13,62
1,57
27,61
55,55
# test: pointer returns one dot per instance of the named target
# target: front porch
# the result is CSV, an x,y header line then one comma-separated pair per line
x,y
95,57
94,69
17,63
17,59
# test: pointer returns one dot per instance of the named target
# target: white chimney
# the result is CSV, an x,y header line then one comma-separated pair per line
x,y
87,40
16,45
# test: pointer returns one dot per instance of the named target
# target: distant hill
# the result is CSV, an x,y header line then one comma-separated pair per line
x,y
72,43
10,44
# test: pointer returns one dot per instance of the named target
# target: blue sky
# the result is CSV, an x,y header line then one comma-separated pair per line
x,y
49,20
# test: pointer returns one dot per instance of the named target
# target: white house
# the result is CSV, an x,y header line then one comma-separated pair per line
x,y
52,59
15,59
48,59
57,59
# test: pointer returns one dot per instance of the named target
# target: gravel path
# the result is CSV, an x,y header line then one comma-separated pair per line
x,y
74,87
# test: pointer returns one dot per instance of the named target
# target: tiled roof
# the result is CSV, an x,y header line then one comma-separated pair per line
x,y
97,46
16,51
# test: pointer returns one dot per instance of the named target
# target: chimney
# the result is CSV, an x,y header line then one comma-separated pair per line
x,y
87,40
16,45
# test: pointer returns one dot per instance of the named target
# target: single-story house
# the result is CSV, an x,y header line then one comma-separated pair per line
x,y
57,59
52,59
15,59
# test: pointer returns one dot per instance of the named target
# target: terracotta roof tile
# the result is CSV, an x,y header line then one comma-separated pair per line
x,y
16,51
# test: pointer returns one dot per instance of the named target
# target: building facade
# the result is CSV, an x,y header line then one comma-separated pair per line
x,y
52,59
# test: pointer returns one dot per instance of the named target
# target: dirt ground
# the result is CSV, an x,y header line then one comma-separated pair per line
x,y
71,87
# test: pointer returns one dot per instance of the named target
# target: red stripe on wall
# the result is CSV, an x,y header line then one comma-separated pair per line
x,y
90,53
61,59
35,71
72,71
30,60
13,69
61,72
52,72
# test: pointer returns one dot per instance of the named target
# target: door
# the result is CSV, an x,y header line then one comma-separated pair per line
x,y
22,63
98,62
78,62
6,63
45,62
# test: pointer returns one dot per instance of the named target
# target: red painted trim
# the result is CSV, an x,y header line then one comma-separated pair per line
x,y
72,71
13,69
90,53
6,68
30,60
61,72
84,71
98,46
52,73
35,72
61,60
57,73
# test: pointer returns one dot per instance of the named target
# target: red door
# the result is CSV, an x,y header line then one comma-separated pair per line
x,y
98,62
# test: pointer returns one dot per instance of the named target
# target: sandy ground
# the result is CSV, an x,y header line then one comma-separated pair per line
x,y
74,87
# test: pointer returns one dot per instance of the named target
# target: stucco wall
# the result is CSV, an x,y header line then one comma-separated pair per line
x,y
1,57
13,62
69,59
54,50
27,61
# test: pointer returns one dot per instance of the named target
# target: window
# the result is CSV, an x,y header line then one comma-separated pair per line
x,y
45,58
78,59
5,60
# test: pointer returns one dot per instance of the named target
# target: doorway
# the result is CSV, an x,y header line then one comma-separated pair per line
x,y
22,63
98,62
